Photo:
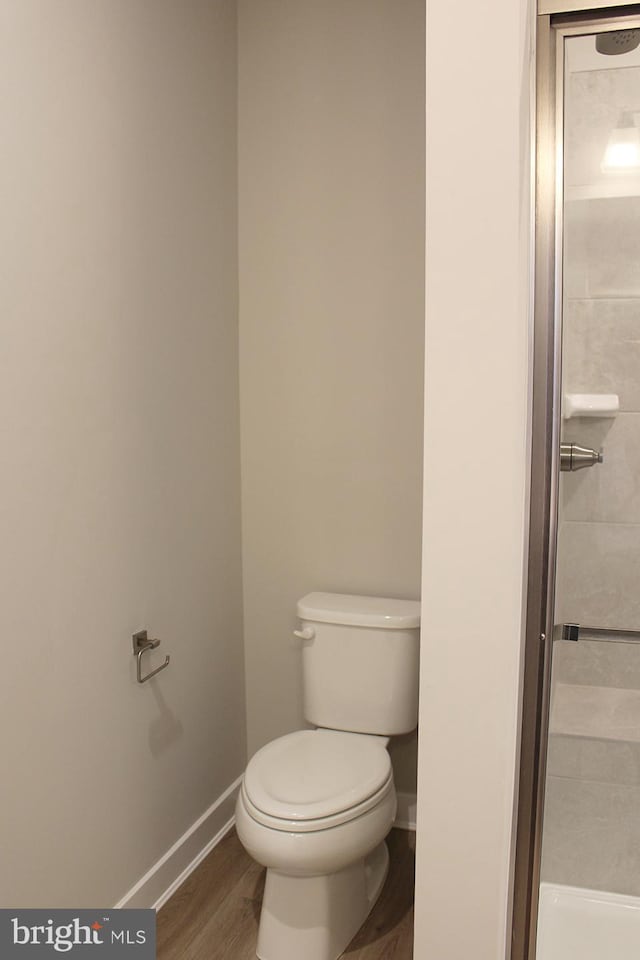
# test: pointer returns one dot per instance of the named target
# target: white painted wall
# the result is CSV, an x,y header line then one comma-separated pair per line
x,y
331,181
119,487
119,501
477,283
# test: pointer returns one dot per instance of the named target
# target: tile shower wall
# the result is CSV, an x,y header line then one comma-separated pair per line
x,y
592,827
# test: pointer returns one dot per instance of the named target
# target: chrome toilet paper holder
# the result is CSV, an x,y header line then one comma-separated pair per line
x,y
142,643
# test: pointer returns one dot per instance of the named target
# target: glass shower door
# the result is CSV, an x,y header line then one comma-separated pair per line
x,y
590,871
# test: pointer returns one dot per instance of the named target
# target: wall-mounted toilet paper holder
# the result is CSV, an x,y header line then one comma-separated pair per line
x,y
141,644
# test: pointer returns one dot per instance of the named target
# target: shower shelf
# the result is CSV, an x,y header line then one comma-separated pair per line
x,y
598,405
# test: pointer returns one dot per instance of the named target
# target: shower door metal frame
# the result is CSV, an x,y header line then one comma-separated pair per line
x,y
549,7
554,25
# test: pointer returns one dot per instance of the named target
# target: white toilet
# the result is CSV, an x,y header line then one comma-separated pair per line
x,y
316,805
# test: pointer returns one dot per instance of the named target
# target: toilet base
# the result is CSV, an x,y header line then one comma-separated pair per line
x,y
315,918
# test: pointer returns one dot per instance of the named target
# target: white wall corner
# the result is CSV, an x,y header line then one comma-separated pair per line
x,y
173,867
406,813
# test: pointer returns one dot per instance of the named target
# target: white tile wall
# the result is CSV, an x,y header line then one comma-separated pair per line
x,y
596,98
598,578
599,541
605,258
592,835
598,663
592,827
602,347
589,758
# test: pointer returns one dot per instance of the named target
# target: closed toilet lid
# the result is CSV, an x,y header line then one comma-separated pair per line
x,y
316,773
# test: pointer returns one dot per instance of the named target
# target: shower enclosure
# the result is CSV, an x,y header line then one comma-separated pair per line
x,y
578,846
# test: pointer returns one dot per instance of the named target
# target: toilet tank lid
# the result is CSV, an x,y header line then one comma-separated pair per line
x,y
360,611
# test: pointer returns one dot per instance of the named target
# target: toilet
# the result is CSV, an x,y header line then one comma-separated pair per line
x,y
315,805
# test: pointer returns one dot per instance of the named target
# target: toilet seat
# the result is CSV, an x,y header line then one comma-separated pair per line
x,y
320,823
316,779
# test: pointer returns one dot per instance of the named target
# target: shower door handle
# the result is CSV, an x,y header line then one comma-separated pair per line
x,y
574,457
575,631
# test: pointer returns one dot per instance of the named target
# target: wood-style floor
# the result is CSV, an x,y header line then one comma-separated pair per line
x,y
214,915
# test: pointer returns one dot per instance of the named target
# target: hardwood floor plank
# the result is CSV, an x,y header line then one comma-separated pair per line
x,y
215,913
188,913
232,931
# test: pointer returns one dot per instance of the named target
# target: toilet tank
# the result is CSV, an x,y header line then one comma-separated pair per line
x,y
360,662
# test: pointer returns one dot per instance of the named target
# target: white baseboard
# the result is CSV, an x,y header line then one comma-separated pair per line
x,y
406,815
173,868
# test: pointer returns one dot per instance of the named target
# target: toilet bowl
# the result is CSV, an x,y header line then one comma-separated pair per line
x,y
314,809
315,805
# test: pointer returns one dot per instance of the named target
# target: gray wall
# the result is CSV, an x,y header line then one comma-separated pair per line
x,y
119,490
331,222
592,832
